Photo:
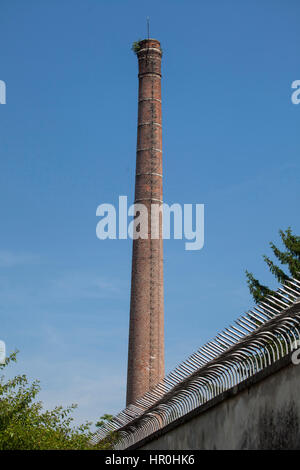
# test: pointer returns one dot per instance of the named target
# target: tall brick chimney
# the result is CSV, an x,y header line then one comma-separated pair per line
x,y
146,332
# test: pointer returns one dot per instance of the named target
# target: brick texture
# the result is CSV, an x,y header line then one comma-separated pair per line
x,y
146,332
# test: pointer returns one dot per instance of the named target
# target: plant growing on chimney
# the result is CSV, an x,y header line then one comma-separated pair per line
x,y
136,46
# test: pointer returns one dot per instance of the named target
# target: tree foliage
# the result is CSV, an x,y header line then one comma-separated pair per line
x,y
289,260
25,425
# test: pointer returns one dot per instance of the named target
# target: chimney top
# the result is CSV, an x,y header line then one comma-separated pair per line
x,y
149,43
152,44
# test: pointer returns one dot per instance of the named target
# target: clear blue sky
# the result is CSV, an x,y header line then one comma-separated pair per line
x,y
231,141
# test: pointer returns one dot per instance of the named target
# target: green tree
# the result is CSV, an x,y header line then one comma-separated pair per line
x,y
289,258
25,425
109,441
